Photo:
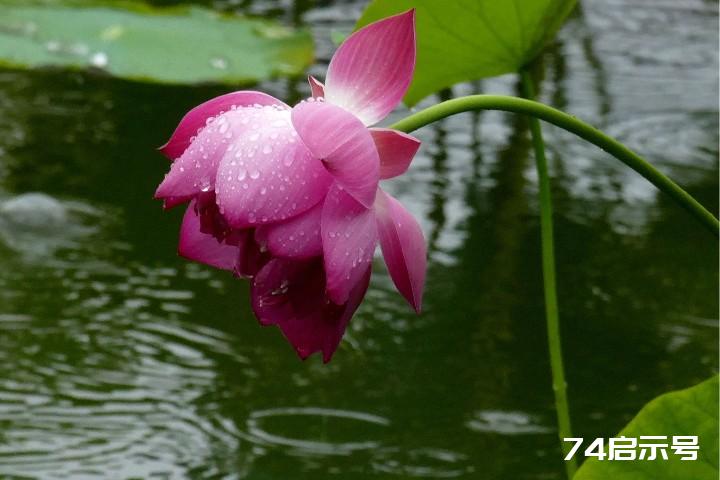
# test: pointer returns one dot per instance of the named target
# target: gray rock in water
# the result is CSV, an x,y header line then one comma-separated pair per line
x,y
33,211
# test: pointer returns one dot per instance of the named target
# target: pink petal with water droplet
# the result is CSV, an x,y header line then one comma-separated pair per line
x,y
290,294
349,236
316,87
298,237
395,149
403,247
195,119
371,71
344,145
195,171
201,247
269,175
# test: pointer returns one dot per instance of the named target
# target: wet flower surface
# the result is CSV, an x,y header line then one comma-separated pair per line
x,y
290,197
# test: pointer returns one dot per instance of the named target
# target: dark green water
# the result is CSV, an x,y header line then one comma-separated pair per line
x,y
120,360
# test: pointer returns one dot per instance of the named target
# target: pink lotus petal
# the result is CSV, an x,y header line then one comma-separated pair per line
x,y
195,119
349,236
396,150
344,145
316,87
195,171
289,294
371,71
268,175
201,247
403,247
298,237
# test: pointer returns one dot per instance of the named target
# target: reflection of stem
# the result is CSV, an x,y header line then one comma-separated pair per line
x,y
552,316
439,182
599,73
571,124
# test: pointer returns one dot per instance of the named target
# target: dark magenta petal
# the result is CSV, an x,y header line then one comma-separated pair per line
x,y
290,294
251,255
403,247
211,221
201,247
196,118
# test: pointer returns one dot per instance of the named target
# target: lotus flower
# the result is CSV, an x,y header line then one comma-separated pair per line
x,y
290,197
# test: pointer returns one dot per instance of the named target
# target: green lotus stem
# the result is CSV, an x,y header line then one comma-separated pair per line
x,y
571,124
552,316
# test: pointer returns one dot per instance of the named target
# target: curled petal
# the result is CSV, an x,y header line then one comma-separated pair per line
x,y
403,247
201,247
344,145
298,237
316,87
267,175
395,149
349,236
196,118
371,71
290,294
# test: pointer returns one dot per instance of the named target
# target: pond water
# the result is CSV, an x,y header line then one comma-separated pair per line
x,y
120,360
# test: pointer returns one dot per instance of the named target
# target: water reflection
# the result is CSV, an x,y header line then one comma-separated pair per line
x,y
116,356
